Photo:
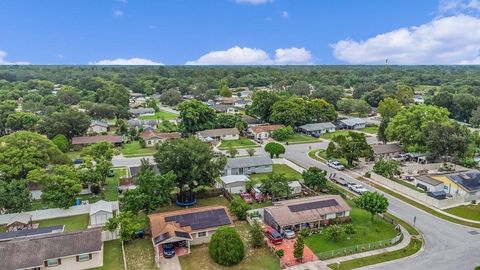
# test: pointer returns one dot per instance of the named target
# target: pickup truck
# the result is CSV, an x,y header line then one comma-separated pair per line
x,y
335,164
339,180
358,188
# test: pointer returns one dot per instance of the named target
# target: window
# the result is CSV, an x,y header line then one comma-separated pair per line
x,y
84,257
340,214
52,262
201,234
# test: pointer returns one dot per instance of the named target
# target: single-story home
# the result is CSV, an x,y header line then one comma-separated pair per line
x,y
234,183
220,108
227,134
263,131
429,184
186,227
6,236
248,165
20,221
227,100
386,151
100,213
463,183
97,126
317,128
250,120
87,140
73,251
311,212
153,138
138,123
351,123
141,112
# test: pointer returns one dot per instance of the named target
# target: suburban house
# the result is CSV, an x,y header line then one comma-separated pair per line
x,y
87,140
234,183
429,184
97,126
20,221
386,151
227,134
310,212
58,251
152,138
464,184
100,213
6,236
220,108
135,170
248,165
138,123
227,100
186,227
351,123
263,131
141,112
317,128
250,120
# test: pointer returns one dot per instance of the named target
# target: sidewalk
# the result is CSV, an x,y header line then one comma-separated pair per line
x,y
404,243
315,265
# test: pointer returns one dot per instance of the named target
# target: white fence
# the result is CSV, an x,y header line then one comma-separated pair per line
x,y
109,236
56,212
423,197
289,164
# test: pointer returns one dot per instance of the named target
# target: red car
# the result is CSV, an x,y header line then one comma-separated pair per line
x,y
246,197
274,236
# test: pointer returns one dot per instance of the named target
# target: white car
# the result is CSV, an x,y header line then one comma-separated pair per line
x,y
335,164
358,189
288,233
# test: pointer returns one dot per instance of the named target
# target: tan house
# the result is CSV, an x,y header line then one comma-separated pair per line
x,y
386,151
153,138
264,131
187,227
58,251
227,134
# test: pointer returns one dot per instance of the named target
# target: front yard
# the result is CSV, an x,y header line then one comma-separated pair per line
x,y
241,143
277,168
330,135
160,115
321,155
471,211
258,259
365,232
140,254
373,130
134,148
299,138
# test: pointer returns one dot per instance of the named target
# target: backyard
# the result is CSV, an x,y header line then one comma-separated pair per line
x,y
277,168
73,223
112,256
258,259
241,143
471,211
212,201
140,255
160,115
134,148
298,138
365,232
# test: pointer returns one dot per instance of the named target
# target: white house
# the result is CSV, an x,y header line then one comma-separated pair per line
x,y
234,183
227,134
429,184
351,123
263,131
141,112
100,213
317,128
152,138
97,126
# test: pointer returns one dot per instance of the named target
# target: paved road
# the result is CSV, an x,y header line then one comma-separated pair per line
x,y
448,246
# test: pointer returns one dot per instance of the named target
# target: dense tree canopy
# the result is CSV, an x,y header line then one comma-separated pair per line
x,y
195,116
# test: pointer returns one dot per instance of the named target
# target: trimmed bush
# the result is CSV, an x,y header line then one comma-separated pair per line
x,y
226,248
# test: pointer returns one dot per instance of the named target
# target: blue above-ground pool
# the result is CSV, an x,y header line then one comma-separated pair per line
x,y
187,203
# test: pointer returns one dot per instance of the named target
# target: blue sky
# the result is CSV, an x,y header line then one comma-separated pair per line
x,y
175,32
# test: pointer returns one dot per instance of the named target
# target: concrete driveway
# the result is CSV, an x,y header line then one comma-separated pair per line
x,y
170,264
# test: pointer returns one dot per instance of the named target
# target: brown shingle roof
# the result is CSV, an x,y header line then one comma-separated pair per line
x,y
218,132
32,252
95,139
266,128
284,215
380,149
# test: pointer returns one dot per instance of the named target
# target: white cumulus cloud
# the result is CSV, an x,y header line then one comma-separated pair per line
x,y
252,56
117,13
122,61
447,40
253,2
457,6
3,61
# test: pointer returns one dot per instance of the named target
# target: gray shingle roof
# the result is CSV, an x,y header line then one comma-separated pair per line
x,y
101,206
243,162
99,123
352,121
218,132
317,126
141,110
32,252
429,180
380,149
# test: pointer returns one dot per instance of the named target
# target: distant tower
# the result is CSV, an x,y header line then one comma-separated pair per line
x,y
386,62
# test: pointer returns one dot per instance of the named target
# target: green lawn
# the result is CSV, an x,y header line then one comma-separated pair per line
x,y
298,138
73,223
112,256
213,201
322,156
470,211
160,115
277,168
135,149
330,135
258,259
111,189
370,129
140,254
241,143
366,232
73,154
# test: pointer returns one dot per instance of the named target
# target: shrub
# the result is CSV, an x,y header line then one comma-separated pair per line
x,y
274,149
298,248
239,208
95,189
349,229
280,253
283,133
226,248
256,234
251,152
61,142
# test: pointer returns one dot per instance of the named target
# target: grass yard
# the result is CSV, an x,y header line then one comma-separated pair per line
x,y
140,254
213,201
258,259
299,138
277,168
330,135
135,149
160,115
73,223
370,129
241,143
366,232
471,211
73,154
112,256
321,155
111,189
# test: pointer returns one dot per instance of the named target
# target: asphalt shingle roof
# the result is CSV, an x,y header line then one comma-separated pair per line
x,y
243,162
